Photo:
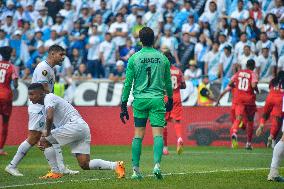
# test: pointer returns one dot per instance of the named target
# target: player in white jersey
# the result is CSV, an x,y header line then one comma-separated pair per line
x,y
44,74
70,129
278,153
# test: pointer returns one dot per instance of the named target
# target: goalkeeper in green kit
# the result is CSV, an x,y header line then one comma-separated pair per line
x,y
148,71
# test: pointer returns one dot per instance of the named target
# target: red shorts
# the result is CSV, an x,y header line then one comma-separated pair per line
x,y
6,108
245,110
176,112
273,105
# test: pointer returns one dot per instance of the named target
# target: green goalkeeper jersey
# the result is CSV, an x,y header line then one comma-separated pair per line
x,y
149,71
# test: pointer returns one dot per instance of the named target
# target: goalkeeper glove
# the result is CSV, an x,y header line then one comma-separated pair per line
x,y
169,105
124,112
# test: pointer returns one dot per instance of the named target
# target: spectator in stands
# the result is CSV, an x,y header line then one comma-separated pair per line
x,y
126,51
30,15
221,6
243,58
16,61
241,14
76,58
205,27
94,64
119,31
280,63
169,22
116,5
118,74
82,73
279,43
53,7
191,28
222,27
256,14
3,40
185,50
47,20
234,31
60,28
227,66
153,19
131,18
77,37
9,27
212,16
278,10
54,40
239,48
46,30
205,95
170,8
38,37
265,66
193,73
28,34
251,30
182,15
265,42
19,13
108,53
137,27
102,28
270,26
201,48
212,60
68,13
222,40
104,12
85,16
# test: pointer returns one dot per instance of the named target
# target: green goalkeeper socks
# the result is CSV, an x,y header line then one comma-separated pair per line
x,y
136,151
158,149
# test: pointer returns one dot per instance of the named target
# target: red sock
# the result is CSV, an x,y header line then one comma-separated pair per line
x,y
235,127
165,134
178,129
249,131
275,127
4,135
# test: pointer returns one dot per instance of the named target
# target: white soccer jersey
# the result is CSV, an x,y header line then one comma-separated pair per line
x,y
266,67
281,63
279,44
63,111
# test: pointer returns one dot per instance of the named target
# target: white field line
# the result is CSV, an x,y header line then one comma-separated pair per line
x,y
225,153
100,179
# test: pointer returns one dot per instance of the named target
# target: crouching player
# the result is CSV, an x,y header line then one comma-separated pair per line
x,y
273,107
70,129
175,115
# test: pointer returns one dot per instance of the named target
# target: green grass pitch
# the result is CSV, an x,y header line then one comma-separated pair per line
x,y
197,167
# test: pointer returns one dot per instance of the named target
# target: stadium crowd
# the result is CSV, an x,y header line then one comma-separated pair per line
x,y
100,36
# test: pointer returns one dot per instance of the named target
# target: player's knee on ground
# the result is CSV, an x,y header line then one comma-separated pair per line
x,y
34,137
83,161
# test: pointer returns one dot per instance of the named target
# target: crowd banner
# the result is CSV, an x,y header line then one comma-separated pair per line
x,y
106,93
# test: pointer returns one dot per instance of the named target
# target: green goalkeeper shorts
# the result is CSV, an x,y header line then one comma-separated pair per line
x,y
154,109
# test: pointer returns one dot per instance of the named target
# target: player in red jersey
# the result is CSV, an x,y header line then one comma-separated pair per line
x,y
7,75
245,83
175,115
273,108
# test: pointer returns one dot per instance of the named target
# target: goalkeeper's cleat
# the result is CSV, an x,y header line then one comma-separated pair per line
x,y
276,179
157,173
51,175
165,151
235,144
179,146
136,175
241,124
13,171
248,146
70,172
269,142
120,170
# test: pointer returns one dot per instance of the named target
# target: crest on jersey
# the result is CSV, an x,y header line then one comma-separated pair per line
x,y
44,72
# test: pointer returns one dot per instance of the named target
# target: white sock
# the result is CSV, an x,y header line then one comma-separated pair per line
x,y
157,166
102,164
278,153
21,152
50,156
59,157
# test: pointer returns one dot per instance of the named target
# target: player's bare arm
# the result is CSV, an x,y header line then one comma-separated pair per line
x,y
222,94
49,120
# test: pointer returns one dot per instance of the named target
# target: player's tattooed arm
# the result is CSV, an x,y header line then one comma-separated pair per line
x,y
49,120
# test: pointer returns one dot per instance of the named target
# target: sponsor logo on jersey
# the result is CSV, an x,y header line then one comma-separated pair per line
x,y
44,73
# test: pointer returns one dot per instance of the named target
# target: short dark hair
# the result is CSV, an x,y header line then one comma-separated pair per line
x,y
6,52
146,36
55,48
251,64
35,86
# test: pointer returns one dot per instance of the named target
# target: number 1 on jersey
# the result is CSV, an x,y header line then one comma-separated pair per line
x,y
148,70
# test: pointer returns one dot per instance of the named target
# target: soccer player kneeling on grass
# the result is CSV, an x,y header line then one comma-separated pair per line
x,y
70,129
149,72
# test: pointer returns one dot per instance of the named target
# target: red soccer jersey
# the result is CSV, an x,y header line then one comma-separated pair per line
x,y
177,79
244,93
7,73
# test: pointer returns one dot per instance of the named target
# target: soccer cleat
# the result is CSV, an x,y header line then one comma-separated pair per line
x,y
234,142
136,175
269,142
3,153
166,151
157,173
51,175
179,146
248,146
241,124
13,171
276,179
120,170
70,172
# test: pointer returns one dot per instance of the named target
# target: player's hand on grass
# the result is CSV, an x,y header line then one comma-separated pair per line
x,y
169,104
259,131
124,112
